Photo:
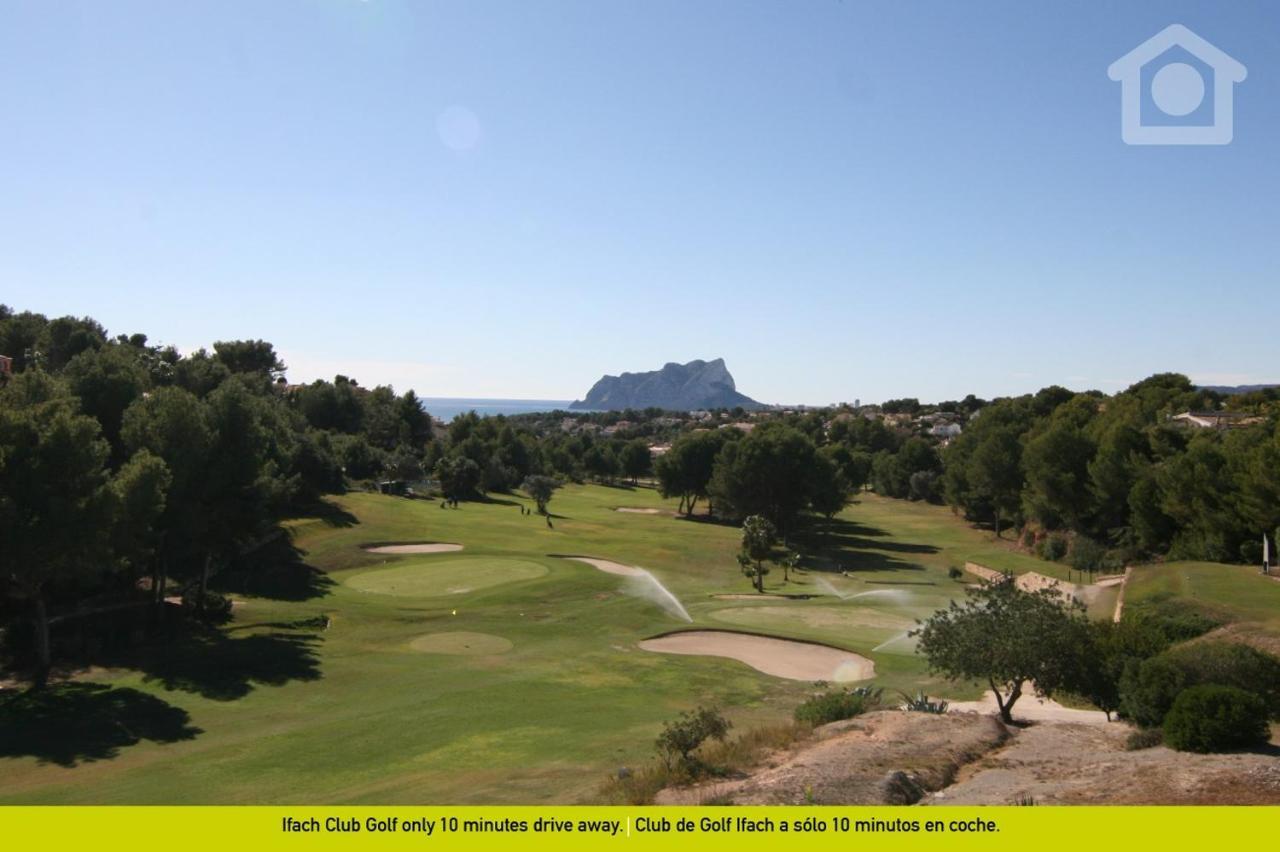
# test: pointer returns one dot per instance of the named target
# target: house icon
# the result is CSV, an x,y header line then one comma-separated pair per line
x,y
1177,89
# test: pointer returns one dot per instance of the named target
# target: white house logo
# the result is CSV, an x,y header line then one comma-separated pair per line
x,y
1164,99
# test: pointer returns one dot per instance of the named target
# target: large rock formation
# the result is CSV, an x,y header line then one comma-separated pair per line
x,y
676,387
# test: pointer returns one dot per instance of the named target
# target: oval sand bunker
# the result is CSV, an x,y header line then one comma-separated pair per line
x,y
424,547
777,657
634,511
429,578
461,644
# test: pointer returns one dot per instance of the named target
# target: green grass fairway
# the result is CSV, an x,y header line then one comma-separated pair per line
x,y
412,693
425,578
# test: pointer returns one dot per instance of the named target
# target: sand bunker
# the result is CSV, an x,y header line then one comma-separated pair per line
x,y
778,657
461,644
610,567
425,547
440,577
629,510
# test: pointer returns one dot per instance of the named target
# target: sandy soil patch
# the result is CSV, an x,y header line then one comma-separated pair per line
x,y
461,644
425,547
1033,708
1068,763
886,757
609,567
634,511
778,657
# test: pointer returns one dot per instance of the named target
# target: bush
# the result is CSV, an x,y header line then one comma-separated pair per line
x,y
1148,690
1087,555
1146,738
832,707
954,573
1052,547
1210,718
1177,620
921,703
679,739
1231,664
217,608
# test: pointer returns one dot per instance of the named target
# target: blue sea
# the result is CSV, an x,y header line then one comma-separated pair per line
x,y
447,408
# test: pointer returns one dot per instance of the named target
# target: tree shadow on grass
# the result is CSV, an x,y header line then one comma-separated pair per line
x,y
221,667
70,723
845,546
276,571
331,513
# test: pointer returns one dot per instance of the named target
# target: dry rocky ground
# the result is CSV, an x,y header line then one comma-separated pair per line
x,y
895,757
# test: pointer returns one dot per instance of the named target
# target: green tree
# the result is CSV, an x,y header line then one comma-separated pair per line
x,y
636,459
62,513
1008,639
686,469
249,356
540,489
766,473
758,536
107,381
828,490
458,477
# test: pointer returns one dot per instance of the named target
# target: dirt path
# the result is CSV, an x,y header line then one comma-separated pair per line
x,y
895,757
887,757
1030,708
1124,584
1071,763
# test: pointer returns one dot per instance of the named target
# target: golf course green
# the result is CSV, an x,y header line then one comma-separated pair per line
x,y
498,674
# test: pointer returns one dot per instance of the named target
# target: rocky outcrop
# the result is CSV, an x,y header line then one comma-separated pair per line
x,y
676,387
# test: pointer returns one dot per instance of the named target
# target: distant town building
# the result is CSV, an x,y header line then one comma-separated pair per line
x,y
946,430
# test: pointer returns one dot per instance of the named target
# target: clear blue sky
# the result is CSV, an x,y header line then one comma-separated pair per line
x,y
842,199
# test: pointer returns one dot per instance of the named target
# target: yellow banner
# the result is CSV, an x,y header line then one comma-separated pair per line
x,y
239,829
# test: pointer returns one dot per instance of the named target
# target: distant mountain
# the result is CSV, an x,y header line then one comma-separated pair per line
x,y
676,387
1231,390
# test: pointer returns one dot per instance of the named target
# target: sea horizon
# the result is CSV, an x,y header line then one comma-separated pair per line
x,y
446,408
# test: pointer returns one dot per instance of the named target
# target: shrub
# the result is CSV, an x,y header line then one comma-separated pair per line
x,y
1088,555
1177,620
217,608
954,573
832,707
920,703
1146,738
1148,690
1232,664
1210,718
679,739
1052,547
